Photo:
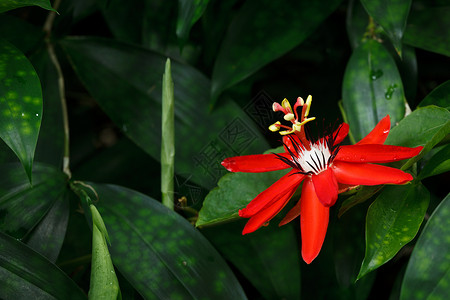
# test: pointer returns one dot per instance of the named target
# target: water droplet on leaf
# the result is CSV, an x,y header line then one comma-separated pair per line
x,y
375,74
390,91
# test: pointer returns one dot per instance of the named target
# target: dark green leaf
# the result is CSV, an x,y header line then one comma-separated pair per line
x,y
425,127
234,192
6,5
48,236
25,274
372,88
261,32
188,13
427,275
114,73
391,15
20,104
440,96
429,29
439,163
159,252
393,220
22,206
362,194
257,256
20,33
356,22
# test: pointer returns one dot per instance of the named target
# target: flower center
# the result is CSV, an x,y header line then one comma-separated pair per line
x,y
314,160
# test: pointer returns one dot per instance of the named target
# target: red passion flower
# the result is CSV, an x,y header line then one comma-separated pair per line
x,y
325,167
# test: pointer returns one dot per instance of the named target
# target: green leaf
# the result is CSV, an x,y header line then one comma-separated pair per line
x,y
203,138
20,104
48,236
159,252
440,96
168,139
188,13
257,256
356,23
25,274
425,127
23,206
22,34
6,5
427,275
393,220
391,15
372,88
438,164
429,29
362,194
104,283
261,32
234,192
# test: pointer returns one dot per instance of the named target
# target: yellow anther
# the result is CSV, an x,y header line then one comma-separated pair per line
x,y
308,105
286,132
286,105
289,117
275,127
306,121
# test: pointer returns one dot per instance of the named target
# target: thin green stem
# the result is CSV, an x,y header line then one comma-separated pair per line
x,y
51,52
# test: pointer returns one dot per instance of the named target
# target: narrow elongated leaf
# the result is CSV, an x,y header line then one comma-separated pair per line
x,y
429,29
20,104
438,164
392,221
428,272
356,22
22,206
440,96
188,13
159,252
257,256
6,5
234,192
25,274
261,32
48,236
391,15
425,127
372,88
115,72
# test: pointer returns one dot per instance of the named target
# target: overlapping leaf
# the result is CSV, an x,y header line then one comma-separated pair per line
x,y
438,163
6,5
126,82
440,96
20,104
188,13
391,15
159,252
392,221
22,206
427,275
261,32
25,274
372,88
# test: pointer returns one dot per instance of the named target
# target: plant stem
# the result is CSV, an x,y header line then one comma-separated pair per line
x,y
51,52
167,139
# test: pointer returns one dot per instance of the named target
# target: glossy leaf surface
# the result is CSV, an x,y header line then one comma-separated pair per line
x,y
428,272
440,96
392,221
429,29
20,104
159,252
256,253
25,274
372,88
438,164
188,13
22,205
261,32
205,137
6,5
391,15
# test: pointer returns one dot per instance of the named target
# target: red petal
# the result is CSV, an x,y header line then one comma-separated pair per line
x,y
340,133
326,187
368,174
313,222
266,214
255,163
281,187
375,153
379,133
292,214
288,140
